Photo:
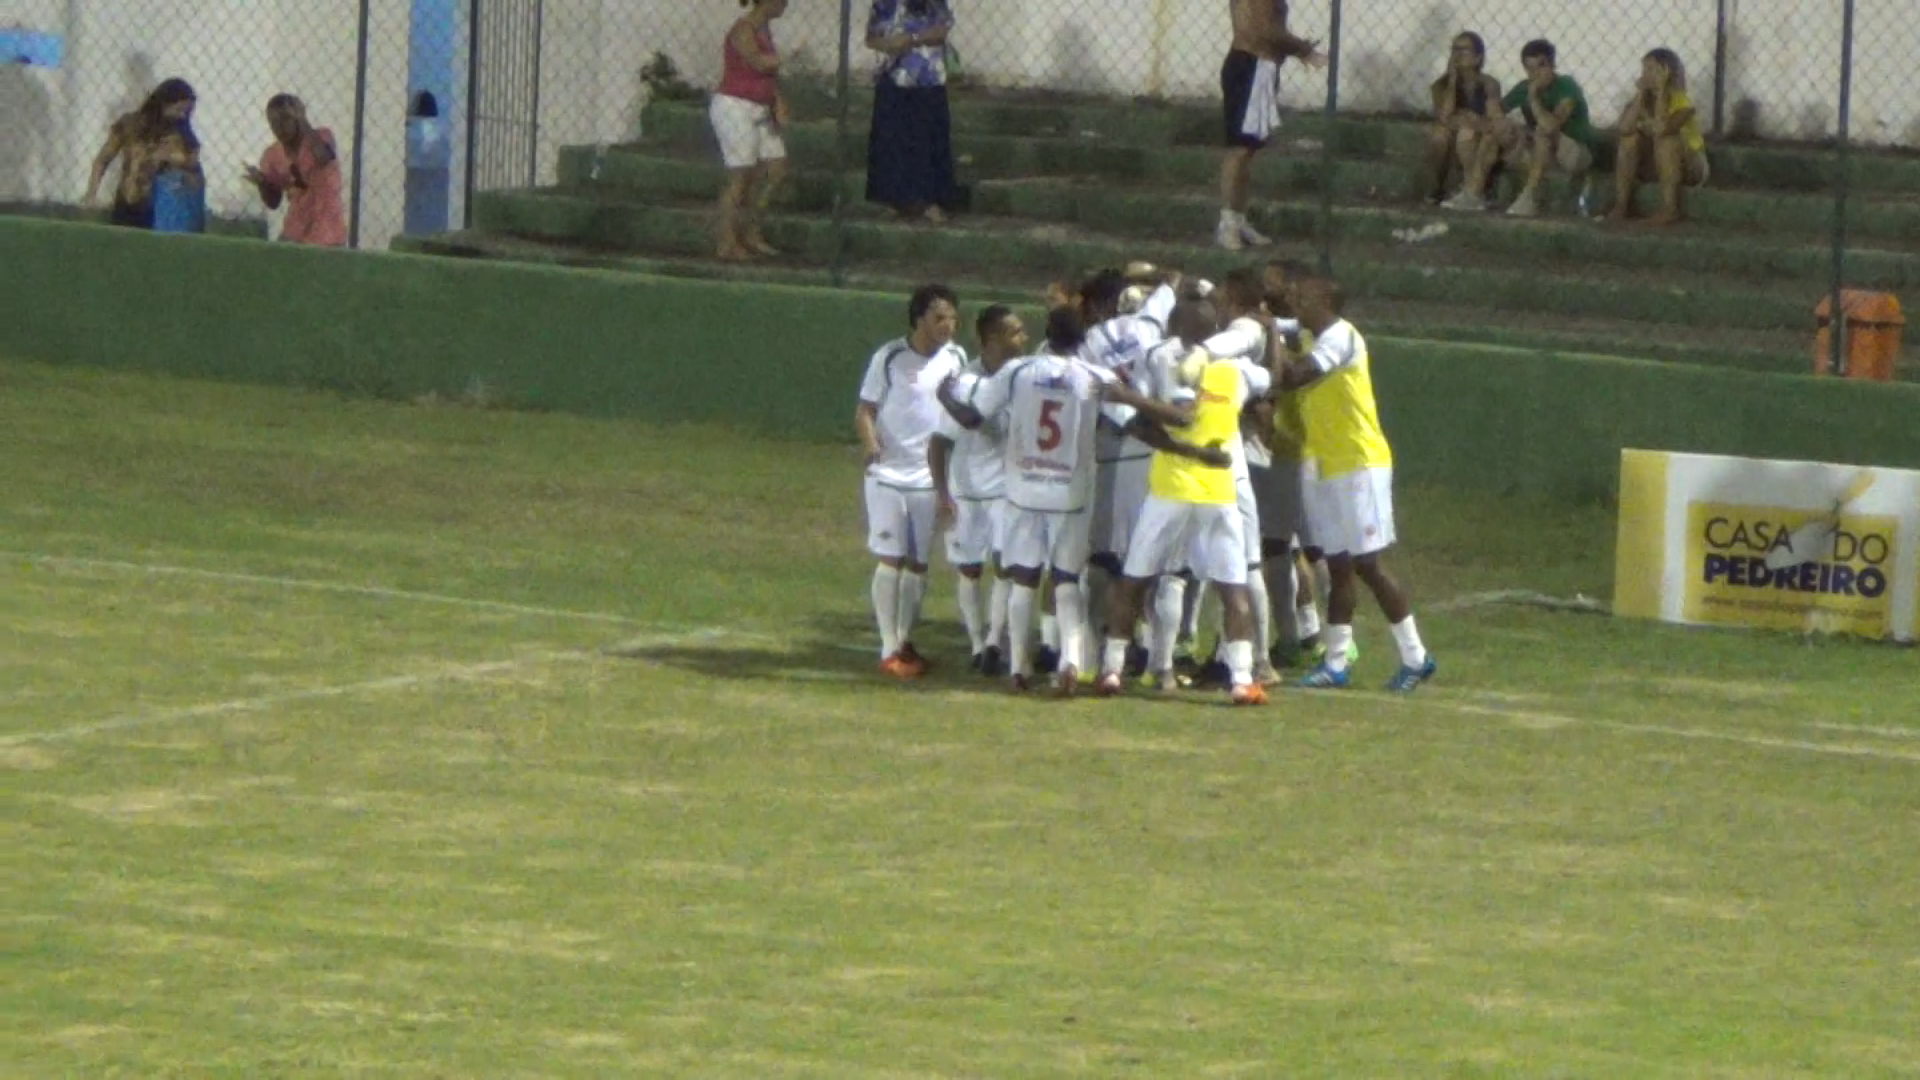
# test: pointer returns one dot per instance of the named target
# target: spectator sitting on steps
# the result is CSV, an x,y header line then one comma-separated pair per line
x,y
1466,102
1554,130
1660,139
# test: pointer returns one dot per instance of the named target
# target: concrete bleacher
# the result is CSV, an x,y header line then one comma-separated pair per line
x,y
1061,186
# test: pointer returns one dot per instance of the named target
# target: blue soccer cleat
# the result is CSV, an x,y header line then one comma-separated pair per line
x,y
1325,678
1408,679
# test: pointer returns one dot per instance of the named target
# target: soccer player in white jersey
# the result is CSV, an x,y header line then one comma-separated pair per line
x,y
1349,491
1192,520
898,412
969,482
1050,405
1244,342
1119,343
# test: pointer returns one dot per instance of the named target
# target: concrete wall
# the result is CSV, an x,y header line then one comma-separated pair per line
x,y
667,349
1784,56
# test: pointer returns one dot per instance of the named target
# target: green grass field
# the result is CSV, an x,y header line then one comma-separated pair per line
x,y
350,739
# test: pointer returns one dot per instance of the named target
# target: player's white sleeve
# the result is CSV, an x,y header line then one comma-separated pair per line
x,y
948,428
990,395
1159,307
1258,379
1116,414
1243,338
874,385
1334,349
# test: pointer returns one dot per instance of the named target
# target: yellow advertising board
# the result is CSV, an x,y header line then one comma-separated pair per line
x,y
1781,545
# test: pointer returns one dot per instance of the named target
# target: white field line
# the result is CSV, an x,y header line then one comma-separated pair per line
x,y
448,673
311,585
468,671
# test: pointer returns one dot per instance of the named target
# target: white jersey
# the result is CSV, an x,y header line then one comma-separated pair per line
x,y
1244,344
978,467
1051,408
901,385
1157,375
1120,345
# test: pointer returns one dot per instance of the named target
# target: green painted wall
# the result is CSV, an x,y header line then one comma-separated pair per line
x,y
786,360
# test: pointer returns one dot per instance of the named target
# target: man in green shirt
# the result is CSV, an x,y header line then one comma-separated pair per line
x,y
1545,124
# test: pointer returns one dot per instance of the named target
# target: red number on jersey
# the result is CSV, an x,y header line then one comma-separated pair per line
x,y
1050,433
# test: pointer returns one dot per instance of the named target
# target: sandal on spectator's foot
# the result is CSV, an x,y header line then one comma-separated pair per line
x,y
1524,206
758,245
733,253
1465,201
935,216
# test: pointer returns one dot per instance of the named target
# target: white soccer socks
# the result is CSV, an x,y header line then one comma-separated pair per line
x,y
997,612
886,607
1339,642
1070,604
1240,662
913,590
1020,604
1413,654
1163,625
1262,611
966,593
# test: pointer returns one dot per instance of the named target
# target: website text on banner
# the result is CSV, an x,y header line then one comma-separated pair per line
x,y
1781,545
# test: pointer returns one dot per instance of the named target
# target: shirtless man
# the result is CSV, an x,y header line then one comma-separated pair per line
x,y
1250,85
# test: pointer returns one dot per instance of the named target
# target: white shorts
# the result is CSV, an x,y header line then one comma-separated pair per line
x,y
1114,519
1205,538
977,532
747,133
1276,492
900,522
1351,514
1040,538
1249,519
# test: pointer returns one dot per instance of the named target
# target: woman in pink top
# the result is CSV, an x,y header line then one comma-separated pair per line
x,y
747,112
303,166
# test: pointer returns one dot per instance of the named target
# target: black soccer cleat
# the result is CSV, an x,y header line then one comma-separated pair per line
x,y
1046,660
992,662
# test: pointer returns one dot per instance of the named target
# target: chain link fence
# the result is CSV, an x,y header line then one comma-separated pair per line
x,y
1080,132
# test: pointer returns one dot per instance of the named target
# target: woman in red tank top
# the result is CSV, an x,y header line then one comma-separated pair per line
x,y
747,113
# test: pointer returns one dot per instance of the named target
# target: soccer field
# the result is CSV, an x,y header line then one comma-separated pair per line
x,y
345,738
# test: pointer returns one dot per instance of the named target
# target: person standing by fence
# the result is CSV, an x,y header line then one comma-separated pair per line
x,y
910,146
303,168
1250,87
747,113
161,184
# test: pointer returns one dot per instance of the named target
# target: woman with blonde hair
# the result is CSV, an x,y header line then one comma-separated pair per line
x,y
1660,139
747,113
159,155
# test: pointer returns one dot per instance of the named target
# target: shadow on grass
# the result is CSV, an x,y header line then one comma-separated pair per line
x,y
839,648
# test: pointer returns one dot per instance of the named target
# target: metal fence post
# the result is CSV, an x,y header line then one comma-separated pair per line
x,y
1329,157
358,179
1720,67
1842,162
473,110
843,80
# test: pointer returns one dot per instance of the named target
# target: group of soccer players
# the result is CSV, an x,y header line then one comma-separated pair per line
x,y
1153,446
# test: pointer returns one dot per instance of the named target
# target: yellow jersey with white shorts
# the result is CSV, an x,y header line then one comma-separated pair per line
x,y
1191,519
1349,470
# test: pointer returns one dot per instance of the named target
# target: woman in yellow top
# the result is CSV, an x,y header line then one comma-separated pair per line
x,y
1660,139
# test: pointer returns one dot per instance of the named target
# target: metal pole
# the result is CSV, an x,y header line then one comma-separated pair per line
x,y
1842,163
473,109
1329,159
841,151
1720,67
533,128
358,180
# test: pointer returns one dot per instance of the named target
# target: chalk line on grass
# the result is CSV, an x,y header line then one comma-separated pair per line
x,y
1534,718
311,585
444,674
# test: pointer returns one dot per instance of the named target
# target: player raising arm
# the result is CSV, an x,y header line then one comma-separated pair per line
x,y
1349,487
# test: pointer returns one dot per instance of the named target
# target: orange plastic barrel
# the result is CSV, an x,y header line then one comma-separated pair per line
x,y
1874,325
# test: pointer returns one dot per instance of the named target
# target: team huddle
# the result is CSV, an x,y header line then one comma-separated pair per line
x,y
1165,440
